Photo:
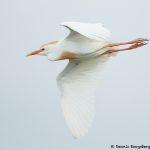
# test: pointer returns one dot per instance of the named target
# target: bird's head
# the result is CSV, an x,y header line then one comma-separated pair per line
x,y
44,50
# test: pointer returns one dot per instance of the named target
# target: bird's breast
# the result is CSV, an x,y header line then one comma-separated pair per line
x,y
68,55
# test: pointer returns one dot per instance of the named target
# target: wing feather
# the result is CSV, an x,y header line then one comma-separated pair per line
x,y
94,31
78,83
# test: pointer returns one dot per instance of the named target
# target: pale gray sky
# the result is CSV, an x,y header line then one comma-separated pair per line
x,y
30,113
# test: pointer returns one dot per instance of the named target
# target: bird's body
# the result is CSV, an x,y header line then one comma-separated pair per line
x,y
79,43
88,48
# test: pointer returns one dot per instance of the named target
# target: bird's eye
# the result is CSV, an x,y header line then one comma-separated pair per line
x,y
43,49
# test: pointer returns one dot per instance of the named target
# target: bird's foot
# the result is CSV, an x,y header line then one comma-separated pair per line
x,y
140,40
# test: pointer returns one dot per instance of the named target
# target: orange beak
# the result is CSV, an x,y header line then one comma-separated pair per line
x,y
35,52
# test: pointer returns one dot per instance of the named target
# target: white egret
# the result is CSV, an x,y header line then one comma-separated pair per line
x,y
87,47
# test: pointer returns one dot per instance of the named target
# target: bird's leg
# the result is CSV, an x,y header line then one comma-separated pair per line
x,y
134,44
139,40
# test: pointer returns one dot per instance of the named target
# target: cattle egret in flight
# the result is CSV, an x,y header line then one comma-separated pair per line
x,y
87,47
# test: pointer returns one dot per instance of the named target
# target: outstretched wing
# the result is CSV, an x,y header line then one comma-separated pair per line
x,y
94,31
85,38
78,83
